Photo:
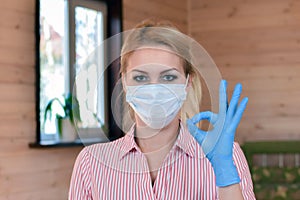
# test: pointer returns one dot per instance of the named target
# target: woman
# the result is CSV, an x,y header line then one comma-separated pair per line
x,y
163,155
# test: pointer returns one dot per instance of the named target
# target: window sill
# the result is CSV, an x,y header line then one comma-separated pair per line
x,y
57,144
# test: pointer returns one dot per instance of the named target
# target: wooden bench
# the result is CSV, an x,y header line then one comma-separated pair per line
x,y
274,166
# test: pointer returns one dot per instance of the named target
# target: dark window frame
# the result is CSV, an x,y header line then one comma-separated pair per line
x,y
114,26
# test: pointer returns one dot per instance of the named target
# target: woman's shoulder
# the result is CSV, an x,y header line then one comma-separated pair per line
x,y
105,146
102,152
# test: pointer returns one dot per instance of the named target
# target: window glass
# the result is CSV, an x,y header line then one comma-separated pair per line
x,y
70,31
89,28
52,59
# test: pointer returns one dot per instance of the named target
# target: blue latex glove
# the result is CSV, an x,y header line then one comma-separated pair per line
x,y
217,143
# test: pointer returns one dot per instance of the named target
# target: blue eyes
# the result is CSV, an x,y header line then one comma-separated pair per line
x,y
169,77
140,78
164,78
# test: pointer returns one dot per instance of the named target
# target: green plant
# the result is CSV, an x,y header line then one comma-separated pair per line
x,y
70,109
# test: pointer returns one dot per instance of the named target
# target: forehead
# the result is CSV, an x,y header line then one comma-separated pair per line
x,y
163,58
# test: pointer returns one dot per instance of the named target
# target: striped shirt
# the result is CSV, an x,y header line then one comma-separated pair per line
x,y
119,170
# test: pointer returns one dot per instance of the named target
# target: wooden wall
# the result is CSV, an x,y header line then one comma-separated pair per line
x,y
25,173
257,43
135,11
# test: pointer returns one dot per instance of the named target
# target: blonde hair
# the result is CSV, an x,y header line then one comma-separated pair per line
x,y
146,34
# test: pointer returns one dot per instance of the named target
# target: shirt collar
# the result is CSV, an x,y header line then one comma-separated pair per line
x,y
129,144
184,141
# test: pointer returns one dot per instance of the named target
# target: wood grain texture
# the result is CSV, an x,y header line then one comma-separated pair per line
x,y
28,174
256,43
135,11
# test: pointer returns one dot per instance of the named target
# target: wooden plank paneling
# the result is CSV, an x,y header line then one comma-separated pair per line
x,y
245,22
35,167
261,71
16,92
135,11
18,129
267,104
218,15
17,56
25,173
14,74
13,112
268,85
26,160
180,5
257,58
275,128
241,8
10,147
256,43
241,36
48,193
208,4
22,39
20,21
227,42
24,6
43,179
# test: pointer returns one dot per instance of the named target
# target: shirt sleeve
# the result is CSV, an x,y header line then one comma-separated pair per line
x,y
80,179
244,172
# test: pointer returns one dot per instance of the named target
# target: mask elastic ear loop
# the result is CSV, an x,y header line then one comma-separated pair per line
x,y
124,83
187,80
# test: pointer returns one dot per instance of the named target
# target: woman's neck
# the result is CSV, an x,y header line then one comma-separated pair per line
x,y
151,140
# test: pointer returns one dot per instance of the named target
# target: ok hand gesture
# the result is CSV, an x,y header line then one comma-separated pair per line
x,y
217,143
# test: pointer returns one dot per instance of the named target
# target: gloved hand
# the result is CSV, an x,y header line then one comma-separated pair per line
x,y
217,143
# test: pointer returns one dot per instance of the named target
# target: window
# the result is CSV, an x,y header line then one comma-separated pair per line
x,y
68,32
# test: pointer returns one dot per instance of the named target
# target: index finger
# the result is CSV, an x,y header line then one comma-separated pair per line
x,y
206,115
223,97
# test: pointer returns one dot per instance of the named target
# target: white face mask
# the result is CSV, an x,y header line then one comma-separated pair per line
x,y
156,104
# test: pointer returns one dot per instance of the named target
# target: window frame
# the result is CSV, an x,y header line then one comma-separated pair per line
x,y
114,26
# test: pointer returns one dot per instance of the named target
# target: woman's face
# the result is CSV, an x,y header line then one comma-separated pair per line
x,y
154,66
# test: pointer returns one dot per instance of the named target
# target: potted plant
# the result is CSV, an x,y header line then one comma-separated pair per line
x,y
66,122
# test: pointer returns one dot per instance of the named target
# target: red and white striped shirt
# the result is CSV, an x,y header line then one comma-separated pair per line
x,y
119,170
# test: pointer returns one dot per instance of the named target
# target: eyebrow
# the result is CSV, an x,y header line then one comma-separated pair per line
x,y
141,71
